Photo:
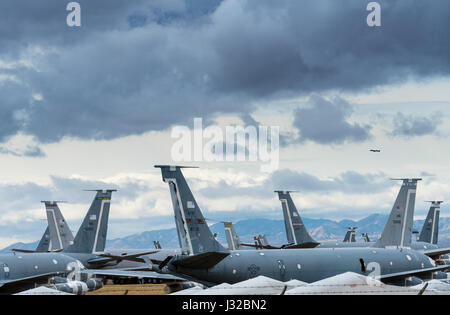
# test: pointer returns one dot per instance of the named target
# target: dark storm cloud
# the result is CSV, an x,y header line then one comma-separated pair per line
x,y
136,66
348,182
413,126
326,122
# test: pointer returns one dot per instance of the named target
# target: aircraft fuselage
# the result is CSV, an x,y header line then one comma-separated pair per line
x,y
308,265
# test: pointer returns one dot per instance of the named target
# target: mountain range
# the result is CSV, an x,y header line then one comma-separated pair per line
x,y
320,229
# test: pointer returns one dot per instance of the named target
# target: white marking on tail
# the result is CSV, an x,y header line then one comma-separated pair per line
x,y
436,210
51,210
402,240
180,204
284,201
98,224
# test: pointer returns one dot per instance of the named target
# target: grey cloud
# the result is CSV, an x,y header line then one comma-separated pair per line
x,y
28,195
136,66
413,126
326,122
347,182
29,151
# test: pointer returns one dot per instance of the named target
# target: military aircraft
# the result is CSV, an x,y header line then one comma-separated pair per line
x,y
296,232
88,246
430,229
205,260
233,240
397,231
87,249
366,237
57,236
22,271
350,236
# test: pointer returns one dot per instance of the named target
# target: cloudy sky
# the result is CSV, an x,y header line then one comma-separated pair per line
x,y
93,106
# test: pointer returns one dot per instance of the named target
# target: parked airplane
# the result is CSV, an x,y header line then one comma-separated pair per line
x,y
19,272
430,229
57,235
350,236
206,260
60,234
397,231
233,240
366,237
88,246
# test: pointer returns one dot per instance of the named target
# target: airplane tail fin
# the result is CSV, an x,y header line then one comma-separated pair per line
x,y
398,229
430,229
232,238
366,237
91,236
60,234
350,236
194,235
157,244
45,244
295,229
263,240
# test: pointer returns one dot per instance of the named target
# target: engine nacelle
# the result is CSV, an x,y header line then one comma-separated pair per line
x,y
79,287
72,287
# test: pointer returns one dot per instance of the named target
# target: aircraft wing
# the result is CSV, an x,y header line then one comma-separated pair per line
x,y
411,273
16,285
200,261
131,274
260,246
435,253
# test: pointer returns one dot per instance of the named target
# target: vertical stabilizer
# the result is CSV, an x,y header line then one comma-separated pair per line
x,y
430,229
232,238
91,236
45,244
60,234
295,229
398,229
350,236
366,237
194,235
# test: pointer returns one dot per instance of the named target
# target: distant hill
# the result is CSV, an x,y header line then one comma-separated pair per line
x,y
320,229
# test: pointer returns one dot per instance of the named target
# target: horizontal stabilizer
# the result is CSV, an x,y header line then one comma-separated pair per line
x,y
303,245
435,253
260,246
108,258
28,251
411,273
201,261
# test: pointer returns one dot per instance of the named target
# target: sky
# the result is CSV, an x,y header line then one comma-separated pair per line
x,y
93,107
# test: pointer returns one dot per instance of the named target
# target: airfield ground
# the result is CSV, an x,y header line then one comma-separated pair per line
x,y
132,289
